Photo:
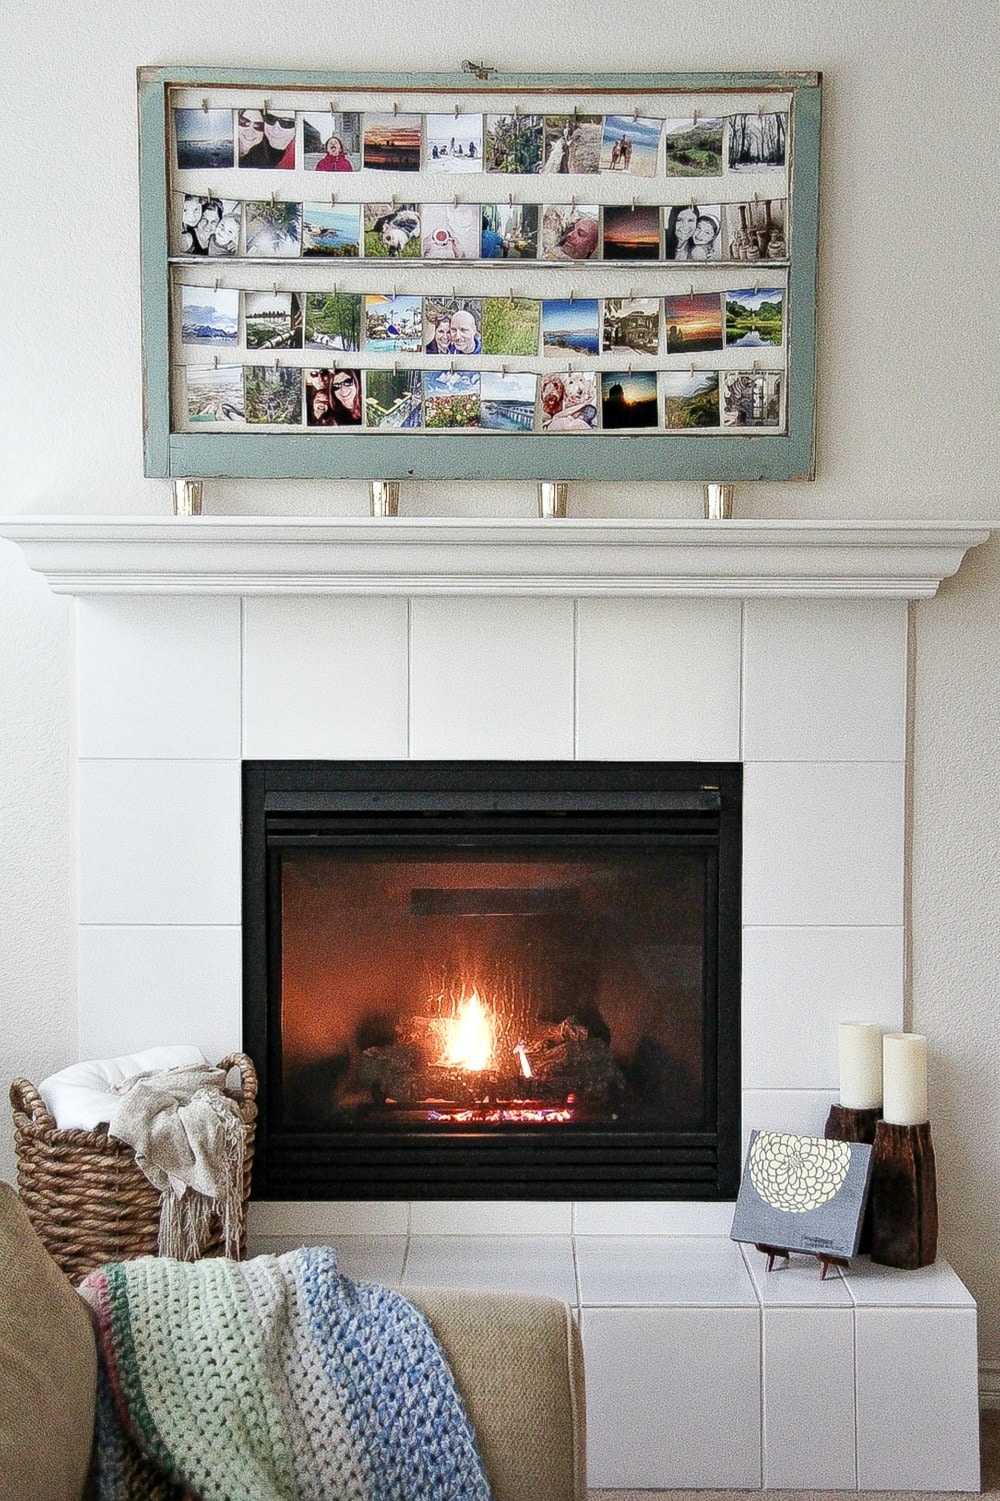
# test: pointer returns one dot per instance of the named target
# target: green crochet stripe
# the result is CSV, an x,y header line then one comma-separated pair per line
x,y
127,1368
200,1332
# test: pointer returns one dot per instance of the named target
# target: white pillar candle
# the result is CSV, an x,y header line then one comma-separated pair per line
x,y
860,1046
904,1077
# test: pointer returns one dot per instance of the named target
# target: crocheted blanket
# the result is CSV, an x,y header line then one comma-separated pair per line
x,y
276,1379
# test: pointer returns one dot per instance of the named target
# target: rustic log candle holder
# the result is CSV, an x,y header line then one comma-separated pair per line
x,y
845,1124
904,1196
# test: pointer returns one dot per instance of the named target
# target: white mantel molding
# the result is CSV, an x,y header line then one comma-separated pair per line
x,y
343,555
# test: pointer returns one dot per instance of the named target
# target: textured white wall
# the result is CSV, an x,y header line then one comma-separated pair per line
x,y
905,422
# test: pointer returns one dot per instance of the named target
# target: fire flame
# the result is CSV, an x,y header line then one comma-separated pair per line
x,y
469,1038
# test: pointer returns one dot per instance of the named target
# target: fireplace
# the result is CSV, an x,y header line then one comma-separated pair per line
x,y
493,979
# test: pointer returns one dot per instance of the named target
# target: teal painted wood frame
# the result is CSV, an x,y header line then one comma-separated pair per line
x,y
562,456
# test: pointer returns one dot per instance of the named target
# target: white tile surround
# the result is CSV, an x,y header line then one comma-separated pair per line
x,y
695,1362
173,691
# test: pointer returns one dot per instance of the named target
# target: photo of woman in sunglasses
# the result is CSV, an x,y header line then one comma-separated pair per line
x,y
265,138
333,398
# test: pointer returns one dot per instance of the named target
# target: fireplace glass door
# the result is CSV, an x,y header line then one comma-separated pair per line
x,y
497,993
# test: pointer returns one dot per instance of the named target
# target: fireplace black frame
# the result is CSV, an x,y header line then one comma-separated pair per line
x,y
286,802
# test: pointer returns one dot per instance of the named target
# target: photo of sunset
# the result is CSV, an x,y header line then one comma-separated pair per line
x,y
693,322
631,234
392,142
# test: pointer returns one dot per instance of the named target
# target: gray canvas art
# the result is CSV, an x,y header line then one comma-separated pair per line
x,y
803,1193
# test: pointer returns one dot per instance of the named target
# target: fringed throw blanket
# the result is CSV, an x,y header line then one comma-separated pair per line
x,y
275,1379
189,1140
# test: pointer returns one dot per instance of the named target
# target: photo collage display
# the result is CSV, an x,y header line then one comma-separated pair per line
x,y
696,350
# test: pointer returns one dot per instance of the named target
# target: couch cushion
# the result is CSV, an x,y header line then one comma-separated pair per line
x,y
48,1368
517,1362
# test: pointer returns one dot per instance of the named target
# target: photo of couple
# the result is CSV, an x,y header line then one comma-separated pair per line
x,y
452,325
693,232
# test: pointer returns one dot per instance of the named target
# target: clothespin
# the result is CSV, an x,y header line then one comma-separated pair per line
x,y
395,106
694,117
572,296
204,104
215,361
456,110
267,106
333,200
633,205
333,106
454,201
510,200
394,201
216,284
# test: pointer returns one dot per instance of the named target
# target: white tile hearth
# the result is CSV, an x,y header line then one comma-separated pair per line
x,y
491,679
325,679
918,1398
321,1220
527,1264
649,1271
658,679
472,1217
366,1258
673,1397
677,1218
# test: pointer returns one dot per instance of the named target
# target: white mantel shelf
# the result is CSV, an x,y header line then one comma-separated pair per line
x,y
344,555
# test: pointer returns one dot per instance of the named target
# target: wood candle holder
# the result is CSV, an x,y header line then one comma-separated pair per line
x,y
845,1124
904,1196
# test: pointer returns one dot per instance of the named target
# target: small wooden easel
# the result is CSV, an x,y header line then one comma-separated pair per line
x,y
826,1261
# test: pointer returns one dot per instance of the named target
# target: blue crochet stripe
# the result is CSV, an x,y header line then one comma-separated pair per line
x,y
397,1393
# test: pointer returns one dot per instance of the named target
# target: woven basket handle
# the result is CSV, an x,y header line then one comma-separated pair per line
x,y
27,1101
247,1072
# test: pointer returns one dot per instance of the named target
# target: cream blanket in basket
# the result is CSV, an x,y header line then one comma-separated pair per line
x,y
189,1140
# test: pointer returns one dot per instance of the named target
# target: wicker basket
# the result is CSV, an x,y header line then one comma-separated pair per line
x,y
85,1195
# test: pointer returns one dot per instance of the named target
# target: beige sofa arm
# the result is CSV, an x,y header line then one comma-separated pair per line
x,y
518,1364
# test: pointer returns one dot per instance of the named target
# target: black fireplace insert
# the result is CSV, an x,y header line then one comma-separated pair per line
x,y
493,979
